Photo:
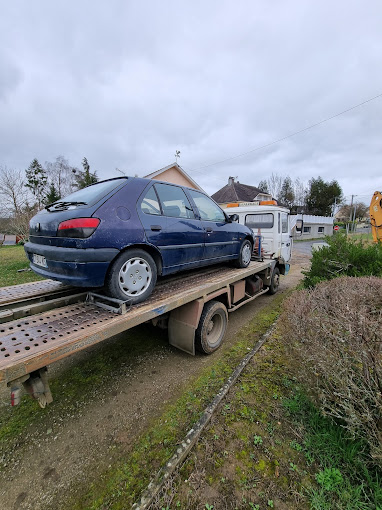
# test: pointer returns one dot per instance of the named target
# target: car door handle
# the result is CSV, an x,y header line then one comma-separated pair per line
x,y
209,230
156,228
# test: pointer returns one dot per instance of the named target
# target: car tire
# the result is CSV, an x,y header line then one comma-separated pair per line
x,y
275,281
132,276
244,255
212,327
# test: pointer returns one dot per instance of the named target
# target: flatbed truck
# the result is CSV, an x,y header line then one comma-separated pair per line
x,y
43,322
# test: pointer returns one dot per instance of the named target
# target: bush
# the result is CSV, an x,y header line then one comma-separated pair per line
x,y
344,257
335,330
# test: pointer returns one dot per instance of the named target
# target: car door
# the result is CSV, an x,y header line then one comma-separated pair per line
x,y
170,225
222,239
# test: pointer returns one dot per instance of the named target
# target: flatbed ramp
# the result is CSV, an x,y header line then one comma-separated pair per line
x,y
34,342
29,290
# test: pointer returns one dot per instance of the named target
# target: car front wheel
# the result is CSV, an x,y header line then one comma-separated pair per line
x,y
132,276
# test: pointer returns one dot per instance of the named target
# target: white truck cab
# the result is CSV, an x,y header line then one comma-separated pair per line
x,y
271,223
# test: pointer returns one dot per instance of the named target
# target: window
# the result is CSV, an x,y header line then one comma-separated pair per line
x,y
255,221
320,230
174,201
150,204
284,223
307,230
207,208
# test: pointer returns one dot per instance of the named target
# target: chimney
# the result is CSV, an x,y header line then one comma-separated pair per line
x,y
231,180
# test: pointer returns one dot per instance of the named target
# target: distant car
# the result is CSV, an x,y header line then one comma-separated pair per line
x,y
121,233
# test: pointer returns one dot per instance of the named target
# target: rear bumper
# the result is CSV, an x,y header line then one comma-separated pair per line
x,y
72,266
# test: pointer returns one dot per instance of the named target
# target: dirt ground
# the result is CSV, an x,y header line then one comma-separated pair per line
x,y
74,450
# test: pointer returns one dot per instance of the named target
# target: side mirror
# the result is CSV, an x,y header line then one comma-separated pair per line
x,y
234,218
299,225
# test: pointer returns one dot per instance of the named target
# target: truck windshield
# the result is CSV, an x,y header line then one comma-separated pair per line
x,y
259,220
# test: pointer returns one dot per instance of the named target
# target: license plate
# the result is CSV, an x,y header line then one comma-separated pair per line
x,y
39,260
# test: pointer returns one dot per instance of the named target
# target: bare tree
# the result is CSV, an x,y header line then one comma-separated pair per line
x,y
13,194
300,192
60,174
275,183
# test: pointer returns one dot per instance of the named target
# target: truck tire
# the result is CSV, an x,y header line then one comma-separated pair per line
x,y
275,281
244,255
212,327
132,276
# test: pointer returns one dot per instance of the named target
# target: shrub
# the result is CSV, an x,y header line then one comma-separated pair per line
x,y
344,257
335,330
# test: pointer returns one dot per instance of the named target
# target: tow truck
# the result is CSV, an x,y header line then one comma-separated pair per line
x,y
46,321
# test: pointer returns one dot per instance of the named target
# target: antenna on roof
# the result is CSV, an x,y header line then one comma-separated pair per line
x,y
177,155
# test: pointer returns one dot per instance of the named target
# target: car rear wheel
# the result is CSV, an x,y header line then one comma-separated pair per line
x,y
212,327
132,276
245,254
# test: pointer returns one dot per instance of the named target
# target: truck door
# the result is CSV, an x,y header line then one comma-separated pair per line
x,y
286,240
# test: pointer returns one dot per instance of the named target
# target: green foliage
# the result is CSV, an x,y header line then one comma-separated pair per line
x,y
322,196
344,257
52,195
36,180
86,177
286,196
329,478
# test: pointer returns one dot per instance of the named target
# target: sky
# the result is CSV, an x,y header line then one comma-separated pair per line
x,y
127,83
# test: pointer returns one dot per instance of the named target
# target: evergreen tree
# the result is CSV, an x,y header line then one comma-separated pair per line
x,y
263,185
85,177
36,181
322,195
286,196
52,195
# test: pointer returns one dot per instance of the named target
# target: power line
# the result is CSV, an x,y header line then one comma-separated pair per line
x,y
287,136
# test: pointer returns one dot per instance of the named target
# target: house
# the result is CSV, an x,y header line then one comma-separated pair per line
x,y
314,227
241,194
175,174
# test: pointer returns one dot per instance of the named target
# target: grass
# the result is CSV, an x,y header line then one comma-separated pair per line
x,y
13,258
270,447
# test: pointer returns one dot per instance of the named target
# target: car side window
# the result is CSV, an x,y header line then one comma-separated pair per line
x,y
150,204
174,201
207,208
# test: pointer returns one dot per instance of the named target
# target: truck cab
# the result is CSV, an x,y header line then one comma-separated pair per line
x,y
271,223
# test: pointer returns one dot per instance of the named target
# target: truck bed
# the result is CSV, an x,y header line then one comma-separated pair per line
x,y
36,341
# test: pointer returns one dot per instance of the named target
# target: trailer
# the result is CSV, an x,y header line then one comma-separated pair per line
x,y
43,322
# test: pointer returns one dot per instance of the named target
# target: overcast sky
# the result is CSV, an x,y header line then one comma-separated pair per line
x,y
126,83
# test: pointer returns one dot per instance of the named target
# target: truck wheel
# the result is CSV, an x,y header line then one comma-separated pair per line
x,y
132,276
212,327
245,254
275,281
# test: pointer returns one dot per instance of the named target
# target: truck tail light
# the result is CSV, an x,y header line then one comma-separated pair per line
x,y
78,227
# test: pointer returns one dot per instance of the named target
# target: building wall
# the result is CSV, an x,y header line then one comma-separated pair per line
x,y
315,227
174,176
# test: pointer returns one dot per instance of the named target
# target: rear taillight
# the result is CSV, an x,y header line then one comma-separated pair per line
x,y
78,227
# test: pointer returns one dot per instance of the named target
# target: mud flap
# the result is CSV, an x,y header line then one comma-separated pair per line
x,y
182,325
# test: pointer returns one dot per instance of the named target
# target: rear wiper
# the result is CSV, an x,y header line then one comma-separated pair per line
x,y
63,204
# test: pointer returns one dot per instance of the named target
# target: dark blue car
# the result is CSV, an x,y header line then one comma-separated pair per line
x,y
121,233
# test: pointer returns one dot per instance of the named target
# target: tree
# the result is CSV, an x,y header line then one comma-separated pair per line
x,y
347,211
85,178
275,183
36,181
286,196
300,193
322,196
263,186
61,175
12,190
52,195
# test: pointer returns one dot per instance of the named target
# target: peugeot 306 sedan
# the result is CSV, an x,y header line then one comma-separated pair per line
x,y
121,233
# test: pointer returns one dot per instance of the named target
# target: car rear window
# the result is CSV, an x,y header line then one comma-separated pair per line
x,y
93,193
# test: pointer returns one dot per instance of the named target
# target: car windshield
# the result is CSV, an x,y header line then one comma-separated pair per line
x,y
87,196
